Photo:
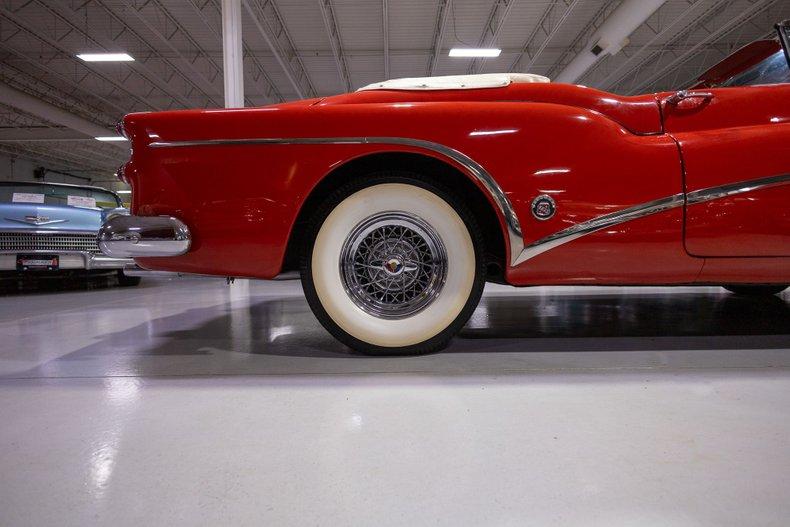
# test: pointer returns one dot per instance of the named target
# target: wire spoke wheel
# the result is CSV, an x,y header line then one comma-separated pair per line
x,y
393,264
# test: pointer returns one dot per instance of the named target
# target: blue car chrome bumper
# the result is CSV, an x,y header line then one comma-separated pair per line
x,y
68,260
75,249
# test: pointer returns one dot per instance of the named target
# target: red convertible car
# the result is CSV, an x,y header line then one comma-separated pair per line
x,y
397,203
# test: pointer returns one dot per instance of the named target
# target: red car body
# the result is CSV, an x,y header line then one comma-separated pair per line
x,y
707,178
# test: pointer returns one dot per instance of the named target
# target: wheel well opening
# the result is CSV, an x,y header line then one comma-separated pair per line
x,y
437,171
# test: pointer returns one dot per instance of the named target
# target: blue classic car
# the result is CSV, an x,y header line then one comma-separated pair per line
x,y
52,227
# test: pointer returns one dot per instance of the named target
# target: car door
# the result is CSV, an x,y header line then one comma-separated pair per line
x,y
735,145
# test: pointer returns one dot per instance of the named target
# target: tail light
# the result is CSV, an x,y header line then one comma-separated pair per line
x,y
121,130
121,173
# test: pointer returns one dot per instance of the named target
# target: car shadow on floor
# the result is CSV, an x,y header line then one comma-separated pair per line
x,y
628,315
507,333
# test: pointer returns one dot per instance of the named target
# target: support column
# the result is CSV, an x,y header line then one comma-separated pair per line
x,y
232,54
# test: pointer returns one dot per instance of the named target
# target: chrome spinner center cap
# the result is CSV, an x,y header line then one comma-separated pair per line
x,y
393,266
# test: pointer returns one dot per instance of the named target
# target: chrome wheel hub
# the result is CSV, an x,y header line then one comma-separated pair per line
x,y
393,265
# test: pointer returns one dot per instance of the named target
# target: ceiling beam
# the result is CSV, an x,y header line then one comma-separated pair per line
x,y
27,103
77,64
333,32
549,24
746,11
732,47
71,15
75,98
578,43
445,6
272,28
630,59
385,23
182,64
496,19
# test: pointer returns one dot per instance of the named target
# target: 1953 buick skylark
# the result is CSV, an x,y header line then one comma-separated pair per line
x,y
397,202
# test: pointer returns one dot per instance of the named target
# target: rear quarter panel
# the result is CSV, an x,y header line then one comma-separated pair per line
x,y
241,200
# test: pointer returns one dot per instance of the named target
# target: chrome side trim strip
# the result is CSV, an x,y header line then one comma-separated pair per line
x,y
645,209
518,251
708,194
596,224
475,169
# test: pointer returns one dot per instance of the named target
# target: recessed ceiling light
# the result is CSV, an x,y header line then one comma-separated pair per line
x,y
111,138
475,52
105,57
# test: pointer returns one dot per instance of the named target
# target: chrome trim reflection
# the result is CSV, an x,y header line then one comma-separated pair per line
x,y
475,169
723,191
601,222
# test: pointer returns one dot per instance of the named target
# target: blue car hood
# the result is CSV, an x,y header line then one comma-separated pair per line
x,y
15,216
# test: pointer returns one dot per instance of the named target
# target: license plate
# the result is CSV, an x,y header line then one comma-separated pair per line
x,y
37,262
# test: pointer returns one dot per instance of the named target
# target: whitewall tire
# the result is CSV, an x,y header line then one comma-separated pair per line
x,y
393,265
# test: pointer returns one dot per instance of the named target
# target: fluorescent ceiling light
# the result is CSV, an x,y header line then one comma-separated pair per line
x,y
111,138
475,52
105,57
123,191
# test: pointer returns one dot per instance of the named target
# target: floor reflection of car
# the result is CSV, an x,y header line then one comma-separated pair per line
x,y
50,229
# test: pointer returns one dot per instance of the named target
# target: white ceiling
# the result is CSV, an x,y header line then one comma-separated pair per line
x,y
178,52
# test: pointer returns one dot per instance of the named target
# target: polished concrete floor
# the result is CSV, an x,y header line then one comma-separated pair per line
x,y
191,402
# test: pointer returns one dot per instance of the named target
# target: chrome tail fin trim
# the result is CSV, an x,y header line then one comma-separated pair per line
x,y
472,167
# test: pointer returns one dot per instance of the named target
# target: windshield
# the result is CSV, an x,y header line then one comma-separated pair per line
x,y
772,70
64,195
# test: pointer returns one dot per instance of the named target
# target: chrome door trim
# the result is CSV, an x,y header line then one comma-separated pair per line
x,y
474,168
682,95
596,224
723,191
644,209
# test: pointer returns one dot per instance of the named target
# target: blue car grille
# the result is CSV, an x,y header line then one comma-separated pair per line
x,y
22,241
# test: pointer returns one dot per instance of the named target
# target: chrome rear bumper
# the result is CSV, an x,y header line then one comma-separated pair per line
x,y
144,236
